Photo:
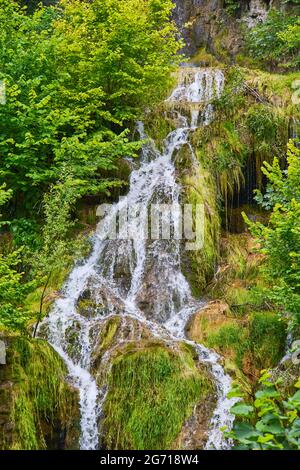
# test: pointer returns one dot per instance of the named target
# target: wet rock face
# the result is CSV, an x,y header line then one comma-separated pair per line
x,y
153,302
108,337
198,22
98,299
117,262
203,21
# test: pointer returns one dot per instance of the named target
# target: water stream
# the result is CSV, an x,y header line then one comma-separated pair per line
x,y
137,277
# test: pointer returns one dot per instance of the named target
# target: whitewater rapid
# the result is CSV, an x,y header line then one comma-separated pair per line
x,y
172,305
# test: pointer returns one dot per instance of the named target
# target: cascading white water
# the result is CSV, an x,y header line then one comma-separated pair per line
x,y
154,291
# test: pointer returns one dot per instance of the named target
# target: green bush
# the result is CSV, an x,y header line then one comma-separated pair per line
x,y
271,422
280,239
261,122
230,337
261,340
276,42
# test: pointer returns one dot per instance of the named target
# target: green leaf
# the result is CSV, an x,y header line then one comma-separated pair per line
x,y
241,409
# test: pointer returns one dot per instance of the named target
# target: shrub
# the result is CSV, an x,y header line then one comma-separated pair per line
x,y
271,423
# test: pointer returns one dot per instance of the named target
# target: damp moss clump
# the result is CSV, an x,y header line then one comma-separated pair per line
x,y
152,391
199,190
37,400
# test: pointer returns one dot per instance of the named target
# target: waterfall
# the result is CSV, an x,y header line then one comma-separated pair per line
x,y
294,129
138,278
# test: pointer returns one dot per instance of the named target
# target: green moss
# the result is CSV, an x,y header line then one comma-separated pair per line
x,y
40,397
109,333
267,337
106,340
274,84
254,344
200,191
222,52
158,125
204,58
230,340
87,307
152,390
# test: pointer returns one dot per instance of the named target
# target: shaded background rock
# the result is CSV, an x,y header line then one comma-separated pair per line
x,y
207,23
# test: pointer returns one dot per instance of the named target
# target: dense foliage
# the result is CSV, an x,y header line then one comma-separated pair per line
x,y
12,290
271,423
280,239
77,75
276,42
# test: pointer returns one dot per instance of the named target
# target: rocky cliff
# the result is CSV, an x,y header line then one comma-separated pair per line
x,y
219,24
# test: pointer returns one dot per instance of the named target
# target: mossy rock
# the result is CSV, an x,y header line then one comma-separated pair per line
x,y
39,410
267,337
252,344
108,335
152,391
87,307
199,190
209,319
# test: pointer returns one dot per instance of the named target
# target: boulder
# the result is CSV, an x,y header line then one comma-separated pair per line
x,y
210,318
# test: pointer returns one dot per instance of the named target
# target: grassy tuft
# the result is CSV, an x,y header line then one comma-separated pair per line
x,y
151,392
40,399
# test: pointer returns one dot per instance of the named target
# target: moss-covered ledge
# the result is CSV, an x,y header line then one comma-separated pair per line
x,y
38,409
153,389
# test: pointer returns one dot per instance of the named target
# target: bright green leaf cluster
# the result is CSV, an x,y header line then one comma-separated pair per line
x,y
280,240
276,42
77,76
271,423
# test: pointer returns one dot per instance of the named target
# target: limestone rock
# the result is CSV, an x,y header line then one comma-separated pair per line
x,y
211,317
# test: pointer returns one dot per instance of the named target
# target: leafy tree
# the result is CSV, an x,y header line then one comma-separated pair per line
x,y
77,75
31,5
5,195
12,289
271,423
59,245
276,42
280,239
12,293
